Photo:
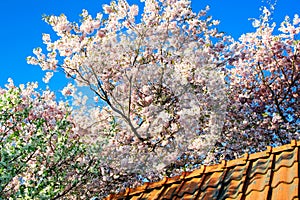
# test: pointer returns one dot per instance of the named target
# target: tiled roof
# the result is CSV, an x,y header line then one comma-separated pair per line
x,y
272,174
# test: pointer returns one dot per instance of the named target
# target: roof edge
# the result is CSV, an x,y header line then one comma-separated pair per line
x,y
206,169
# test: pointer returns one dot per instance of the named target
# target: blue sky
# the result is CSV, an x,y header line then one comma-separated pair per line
x,y
22,27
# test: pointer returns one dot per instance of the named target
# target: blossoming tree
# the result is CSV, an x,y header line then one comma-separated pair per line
x,y
264,88
159,77
166,101
41,156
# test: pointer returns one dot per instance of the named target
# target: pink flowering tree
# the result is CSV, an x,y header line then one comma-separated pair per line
x,y
41,155
264,88
157,79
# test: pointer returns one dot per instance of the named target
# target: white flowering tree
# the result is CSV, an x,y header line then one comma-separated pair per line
x,y
159,75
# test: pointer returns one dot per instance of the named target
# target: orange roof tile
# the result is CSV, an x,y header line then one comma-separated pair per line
x,y
271,174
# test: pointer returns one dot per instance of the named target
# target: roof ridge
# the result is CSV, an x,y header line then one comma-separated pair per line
x,y
186,175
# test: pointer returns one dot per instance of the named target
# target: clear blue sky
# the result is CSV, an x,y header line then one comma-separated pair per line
x,y
22,27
